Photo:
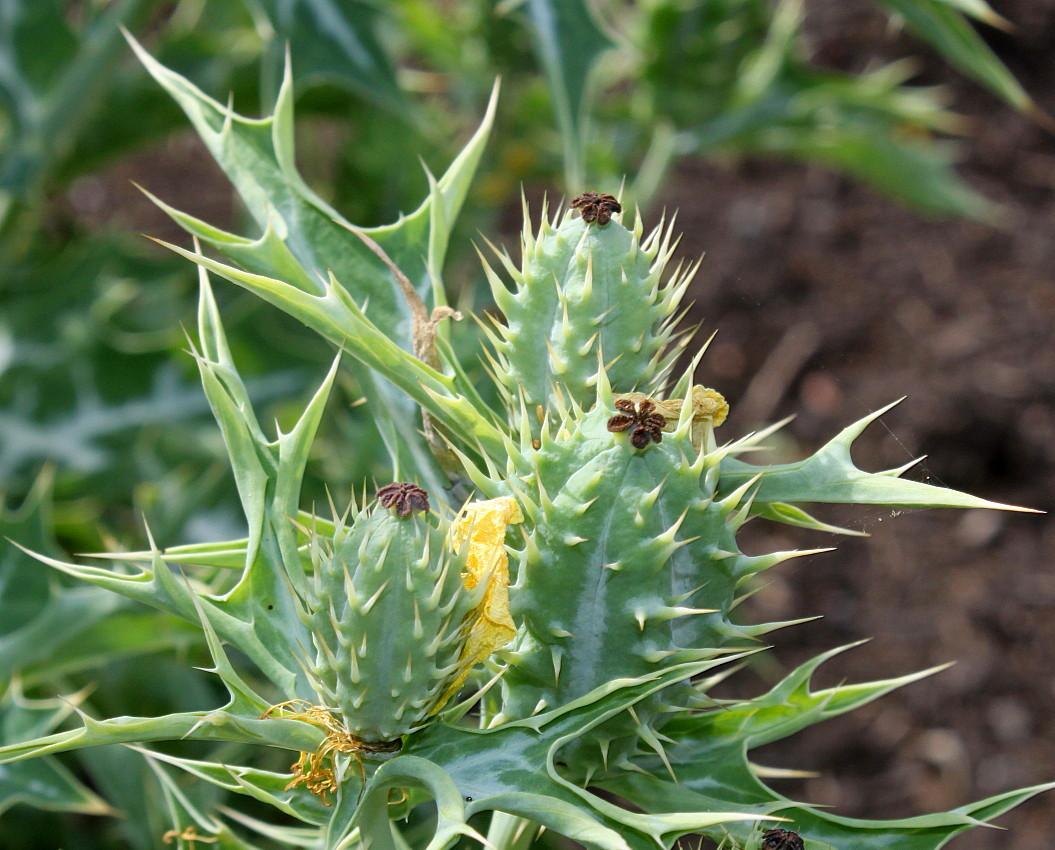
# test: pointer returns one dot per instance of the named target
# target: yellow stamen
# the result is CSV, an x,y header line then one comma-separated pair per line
x,y
315,770
189,834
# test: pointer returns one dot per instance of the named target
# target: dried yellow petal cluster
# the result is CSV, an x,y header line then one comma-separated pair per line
x,y
315,770
482,525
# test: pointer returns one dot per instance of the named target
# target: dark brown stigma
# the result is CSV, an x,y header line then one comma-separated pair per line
x,y
645,423
404,497
596,207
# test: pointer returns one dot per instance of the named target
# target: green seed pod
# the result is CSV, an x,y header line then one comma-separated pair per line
x,y
388,613
631,563
564,312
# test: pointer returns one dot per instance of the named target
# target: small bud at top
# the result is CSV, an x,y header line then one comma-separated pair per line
x,y
596,207
404,497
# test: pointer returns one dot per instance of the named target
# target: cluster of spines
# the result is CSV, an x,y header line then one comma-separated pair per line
x,y
629,563
386,609
568,306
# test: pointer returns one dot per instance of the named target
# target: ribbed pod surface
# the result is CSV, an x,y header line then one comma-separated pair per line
x,y
631,563
387,614
567,309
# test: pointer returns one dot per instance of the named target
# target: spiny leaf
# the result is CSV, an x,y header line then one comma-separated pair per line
x,y
299,228
45,783
336,317
265,786
943,27
304,239
830,475
710,759
521,788
217,725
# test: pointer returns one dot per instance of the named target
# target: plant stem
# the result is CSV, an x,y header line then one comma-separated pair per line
x,y
510,832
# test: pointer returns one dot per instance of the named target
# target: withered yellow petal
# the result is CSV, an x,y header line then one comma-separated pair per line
x,y
483,526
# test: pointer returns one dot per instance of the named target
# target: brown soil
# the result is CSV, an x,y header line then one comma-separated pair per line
x,y
831,302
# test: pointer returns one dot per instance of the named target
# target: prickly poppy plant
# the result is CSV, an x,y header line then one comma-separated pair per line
x,y
527,624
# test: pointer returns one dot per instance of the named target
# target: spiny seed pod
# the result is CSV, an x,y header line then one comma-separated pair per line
x,y
567,309
630,563
389,614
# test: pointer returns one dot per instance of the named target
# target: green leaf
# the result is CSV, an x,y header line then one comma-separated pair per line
x,y
24,590
260,614
216,725
567,42
793,515
305,241
938,22
50,79
335,42
335,316
121,634
41,616
266,786
472,771
227,554
258,157
871,127
709,756
187,819
915,170
266,635
283,835
831,476
44,783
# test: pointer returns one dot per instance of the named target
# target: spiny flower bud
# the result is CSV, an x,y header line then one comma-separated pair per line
x,y
404,605
387,614
401,610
